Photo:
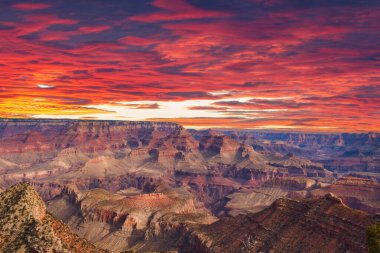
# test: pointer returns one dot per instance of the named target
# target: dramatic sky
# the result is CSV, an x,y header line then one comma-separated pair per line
x,y
310,65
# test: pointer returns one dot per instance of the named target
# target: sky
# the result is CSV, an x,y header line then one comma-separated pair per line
x,y
257,64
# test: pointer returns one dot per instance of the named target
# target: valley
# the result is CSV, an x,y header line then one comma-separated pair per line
x,y
156,186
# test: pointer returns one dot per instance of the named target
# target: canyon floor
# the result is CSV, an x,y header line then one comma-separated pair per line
x,y
117,186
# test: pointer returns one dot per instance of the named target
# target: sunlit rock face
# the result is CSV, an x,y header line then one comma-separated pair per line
x,y
27,227
50,135
253,200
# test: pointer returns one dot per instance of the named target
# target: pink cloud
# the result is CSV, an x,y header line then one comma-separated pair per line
x,y
178,10
93,29
30,6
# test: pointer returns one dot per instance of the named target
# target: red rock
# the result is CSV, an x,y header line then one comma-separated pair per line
x,y
358,193
321,225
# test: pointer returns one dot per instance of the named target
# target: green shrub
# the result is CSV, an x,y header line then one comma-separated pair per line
x,y
373,238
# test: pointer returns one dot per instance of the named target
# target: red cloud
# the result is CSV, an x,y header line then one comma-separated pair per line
x,y
60,35
138,41
93,29
322,69
34,23
30,6
177,10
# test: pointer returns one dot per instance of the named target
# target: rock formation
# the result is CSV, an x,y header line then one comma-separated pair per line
x,y
341,152
320,225
358,193
127,220
27,227
253,200
36,149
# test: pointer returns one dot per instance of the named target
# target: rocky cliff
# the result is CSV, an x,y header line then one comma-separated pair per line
x,y
321,225
38,149
358,193
27,227
86,134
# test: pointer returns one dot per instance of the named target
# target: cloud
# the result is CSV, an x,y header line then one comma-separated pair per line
x,y
30,6
144,106
189,94
107,70
260,63
45,86
178,10
207,108
257,104
93,29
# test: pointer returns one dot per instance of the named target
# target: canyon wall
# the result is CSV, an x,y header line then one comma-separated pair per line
x,y
340,152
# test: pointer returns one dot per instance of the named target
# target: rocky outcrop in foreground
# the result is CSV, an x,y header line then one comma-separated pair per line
x,y
27,227
321,225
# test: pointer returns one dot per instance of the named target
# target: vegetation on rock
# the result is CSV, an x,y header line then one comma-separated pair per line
x,y
373,238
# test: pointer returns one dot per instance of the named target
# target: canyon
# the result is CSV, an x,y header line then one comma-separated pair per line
x,y
128,219
158,187
341,152
316,225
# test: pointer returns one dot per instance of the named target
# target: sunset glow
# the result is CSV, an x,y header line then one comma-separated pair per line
x,y
218,63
